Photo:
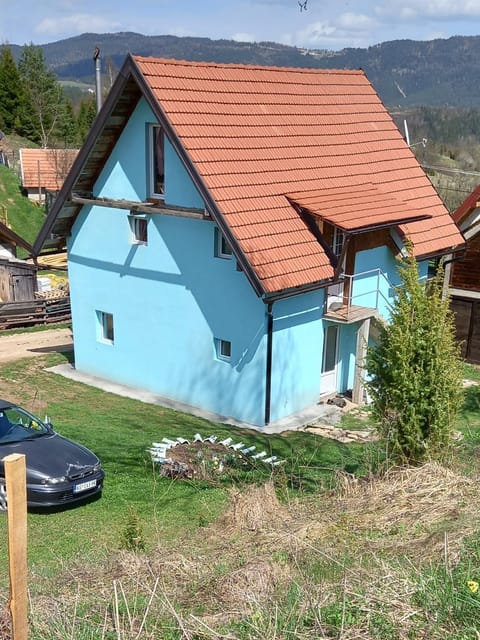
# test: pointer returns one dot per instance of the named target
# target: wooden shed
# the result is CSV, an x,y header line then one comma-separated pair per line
x,y
18,279
465,279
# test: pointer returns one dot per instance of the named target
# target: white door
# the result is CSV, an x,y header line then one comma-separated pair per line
x,y
329,360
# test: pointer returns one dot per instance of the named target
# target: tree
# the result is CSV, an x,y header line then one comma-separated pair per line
x,y
10,90
86,115
66,128
44,92
415,371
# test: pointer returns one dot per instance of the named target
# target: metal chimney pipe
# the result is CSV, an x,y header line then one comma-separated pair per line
x,y
98,78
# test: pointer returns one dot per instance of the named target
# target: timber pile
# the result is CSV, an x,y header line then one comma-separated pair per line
x,y
34,312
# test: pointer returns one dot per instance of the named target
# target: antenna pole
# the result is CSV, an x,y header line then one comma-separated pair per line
x,y
407,135
98,78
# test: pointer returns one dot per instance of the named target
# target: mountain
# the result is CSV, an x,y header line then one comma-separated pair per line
x,y
442,72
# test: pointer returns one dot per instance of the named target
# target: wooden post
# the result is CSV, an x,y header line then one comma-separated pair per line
x,y
16,485
362,343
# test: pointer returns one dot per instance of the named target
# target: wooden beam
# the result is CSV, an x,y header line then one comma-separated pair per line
x,y
140,207
15,480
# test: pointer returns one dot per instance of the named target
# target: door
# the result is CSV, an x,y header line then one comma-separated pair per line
x,y
329,360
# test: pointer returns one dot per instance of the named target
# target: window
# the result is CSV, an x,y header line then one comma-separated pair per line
x,y
223,349
222,248
106,326
338,241
157,161
138,227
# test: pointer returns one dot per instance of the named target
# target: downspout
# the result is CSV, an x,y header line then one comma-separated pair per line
x,y
268,372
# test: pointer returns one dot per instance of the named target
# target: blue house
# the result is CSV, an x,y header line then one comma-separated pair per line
x,y
233,230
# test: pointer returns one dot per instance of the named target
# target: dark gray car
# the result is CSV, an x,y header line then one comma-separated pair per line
x,y
59,471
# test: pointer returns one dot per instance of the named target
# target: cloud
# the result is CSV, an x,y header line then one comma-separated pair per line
x,y
356,22
77,23
433,9
243,37
316,32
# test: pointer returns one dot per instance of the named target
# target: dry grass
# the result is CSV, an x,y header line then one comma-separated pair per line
x,y
369,539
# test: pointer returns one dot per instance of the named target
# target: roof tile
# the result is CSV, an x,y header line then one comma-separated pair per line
x,y
258,134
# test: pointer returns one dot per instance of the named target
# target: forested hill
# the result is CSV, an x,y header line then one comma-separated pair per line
x,y
404,72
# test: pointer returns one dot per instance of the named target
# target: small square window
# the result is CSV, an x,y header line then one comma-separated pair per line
x,y
138,227
222,248
106,326
223,349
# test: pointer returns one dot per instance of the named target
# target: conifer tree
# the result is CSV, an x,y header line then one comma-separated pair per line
x,y
415,371
43,90
86,115
10,90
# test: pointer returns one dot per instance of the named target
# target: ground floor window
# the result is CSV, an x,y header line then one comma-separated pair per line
x,y
105,321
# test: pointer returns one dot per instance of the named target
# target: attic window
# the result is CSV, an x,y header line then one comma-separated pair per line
x,y
138,228
156,141
222,248
338,241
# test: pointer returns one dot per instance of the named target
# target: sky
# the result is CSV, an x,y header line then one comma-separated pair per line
x,y
313,24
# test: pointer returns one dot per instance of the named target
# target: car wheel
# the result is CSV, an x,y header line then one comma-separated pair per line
x,y
3,496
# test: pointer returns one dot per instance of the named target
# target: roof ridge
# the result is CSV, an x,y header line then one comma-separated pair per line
x,y
237,65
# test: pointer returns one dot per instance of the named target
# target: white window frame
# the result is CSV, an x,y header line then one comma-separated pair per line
x,y
138,228
223,248
106,327
338,241
152,192
223,349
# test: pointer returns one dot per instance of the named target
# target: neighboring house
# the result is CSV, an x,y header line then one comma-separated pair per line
x,y
44,170
465,279
18,278
232,230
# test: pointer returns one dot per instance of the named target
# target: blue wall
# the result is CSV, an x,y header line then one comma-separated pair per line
x,y
297,353
370,279
125,173
169,299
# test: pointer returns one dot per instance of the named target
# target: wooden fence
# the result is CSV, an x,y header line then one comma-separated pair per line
x,y
34,312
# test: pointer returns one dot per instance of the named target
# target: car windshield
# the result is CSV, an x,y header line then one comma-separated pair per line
x,y
17,424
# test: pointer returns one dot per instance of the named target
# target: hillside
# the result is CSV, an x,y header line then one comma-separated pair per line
x,y
23,216
404,72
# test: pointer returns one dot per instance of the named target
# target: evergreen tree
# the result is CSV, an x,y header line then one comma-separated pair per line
x,y
10,90
86,115
44,92
66,129
415,371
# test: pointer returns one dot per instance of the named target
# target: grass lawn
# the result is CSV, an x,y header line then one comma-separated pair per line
x,y
120,431
319,548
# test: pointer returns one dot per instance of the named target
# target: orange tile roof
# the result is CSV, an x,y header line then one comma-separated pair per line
x,y
49,166
258,134
367,206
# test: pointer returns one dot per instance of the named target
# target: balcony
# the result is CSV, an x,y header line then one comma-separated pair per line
x,y
357,297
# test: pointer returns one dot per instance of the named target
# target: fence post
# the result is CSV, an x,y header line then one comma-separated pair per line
x,y
16,486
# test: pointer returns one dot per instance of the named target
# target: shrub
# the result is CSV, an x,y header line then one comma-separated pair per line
x,y
415,371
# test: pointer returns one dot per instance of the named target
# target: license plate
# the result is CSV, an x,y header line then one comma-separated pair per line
x,y
84,486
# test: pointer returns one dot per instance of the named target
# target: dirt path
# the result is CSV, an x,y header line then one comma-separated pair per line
x,y
38,343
